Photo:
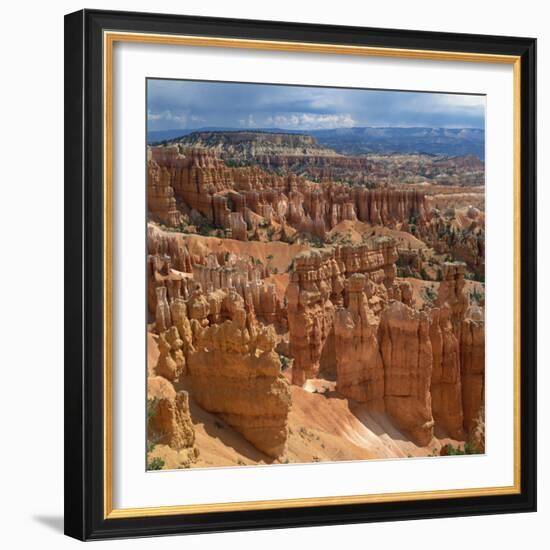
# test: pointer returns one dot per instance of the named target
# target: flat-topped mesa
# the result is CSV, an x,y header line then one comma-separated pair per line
x,y
407,358
235,372
228,196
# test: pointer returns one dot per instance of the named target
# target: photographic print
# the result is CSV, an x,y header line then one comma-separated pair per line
x,y
315,274
276,260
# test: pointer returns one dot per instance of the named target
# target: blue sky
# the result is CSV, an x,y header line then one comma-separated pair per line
x,y
179,104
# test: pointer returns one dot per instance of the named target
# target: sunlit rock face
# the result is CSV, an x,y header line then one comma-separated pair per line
x,y
233,369
169,420
472,350
226,323
360,370
407,356
239,198
318,287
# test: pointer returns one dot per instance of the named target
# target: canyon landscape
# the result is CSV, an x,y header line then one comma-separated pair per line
x,y
314,293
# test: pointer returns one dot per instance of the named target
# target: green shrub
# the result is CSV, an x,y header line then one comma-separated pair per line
x,y
156,464
430,294
475,296
285,361
469,449
152,408
450,213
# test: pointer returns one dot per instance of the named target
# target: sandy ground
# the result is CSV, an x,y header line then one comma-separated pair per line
x,y
323,426
355,231
276,254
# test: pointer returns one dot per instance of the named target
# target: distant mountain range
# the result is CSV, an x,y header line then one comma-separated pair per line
x,y
369,140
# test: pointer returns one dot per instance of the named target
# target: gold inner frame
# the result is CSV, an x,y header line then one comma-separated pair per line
x,y
109,39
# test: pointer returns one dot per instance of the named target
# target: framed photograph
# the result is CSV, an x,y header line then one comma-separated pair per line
x,y
300,274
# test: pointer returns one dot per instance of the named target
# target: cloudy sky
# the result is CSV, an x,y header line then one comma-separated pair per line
x,y
180,104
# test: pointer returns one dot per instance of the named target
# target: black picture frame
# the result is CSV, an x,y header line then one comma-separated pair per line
x,y
84,282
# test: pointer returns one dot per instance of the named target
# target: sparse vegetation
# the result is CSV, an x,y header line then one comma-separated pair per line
x,y
152,408
204,227
468,449
475,296
450,213
285,361
430,294
156,464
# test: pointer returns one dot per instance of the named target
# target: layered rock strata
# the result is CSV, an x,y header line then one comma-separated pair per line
x,y
317,287
227,358
169,422
161,201
360,370
173,273
238,199
421,367
407,357
446,384
472,352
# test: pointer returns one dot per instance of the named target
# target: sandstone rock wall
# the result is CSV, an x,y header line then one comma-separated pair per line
x,y
446,383
235,372
359,367
407,356
214,342
317,287
424,368
169,422
472,350
236,198
161,201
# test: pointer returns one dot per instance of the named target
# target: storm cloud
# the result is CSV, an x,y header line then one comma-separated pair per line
x,y
182,104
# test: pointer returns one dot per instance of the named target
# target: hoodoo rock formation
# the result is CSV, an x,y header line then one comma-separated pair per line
x,y
264,289
317,286
216,345
235,372
446,385
311,311
472,352
237,199
169,420
410,363
407,356
360,371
